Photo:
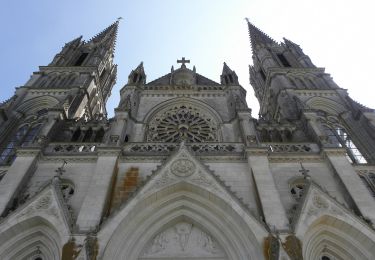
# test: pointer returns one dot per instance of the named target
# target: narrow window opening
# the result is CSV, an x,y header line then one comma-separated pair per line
x,y
226,79
339,137
262,74
135,76
99,135
126,139
88,135
101,77
283,60
230,78
76,135
81,59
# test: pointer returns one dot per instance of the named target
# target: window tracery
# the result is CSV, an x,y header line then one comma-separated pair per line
x,y
337,135
182,123
297,188
24,136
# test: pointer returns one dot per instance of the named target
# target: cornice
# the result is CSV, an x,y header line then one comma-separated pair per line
x,y
108,151
257,151
28,151
333,151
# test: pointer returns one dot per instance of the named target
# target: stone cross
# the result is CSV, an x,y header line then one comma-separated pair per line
x,y
304,172
61,170
183,61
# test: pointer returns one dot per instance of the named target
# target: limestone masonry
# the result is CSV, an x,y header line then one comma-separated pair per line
x,y
183,170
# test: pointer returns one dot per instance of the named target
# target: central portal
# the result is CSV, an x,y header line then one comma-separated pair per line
x,y
183,240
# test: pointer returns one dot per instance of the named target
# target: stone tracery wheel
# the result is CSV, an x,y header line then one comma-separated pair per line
x,y
182,123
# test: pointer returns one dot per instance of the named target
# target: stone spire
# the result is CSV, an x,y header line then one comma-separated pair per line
x,y
257,37
138,75
107,37
228,76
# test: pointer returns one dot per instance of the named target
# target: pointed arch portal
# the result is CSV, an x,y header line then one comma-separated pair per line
x,y
181,221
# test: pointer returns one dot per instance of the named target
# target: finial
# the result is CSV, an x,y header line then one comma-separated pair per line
x,y
172,69
194,69
247,19
120,18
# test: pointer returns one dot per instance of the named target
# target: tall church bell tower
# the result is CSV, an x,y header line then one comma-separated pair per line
x,y
183,170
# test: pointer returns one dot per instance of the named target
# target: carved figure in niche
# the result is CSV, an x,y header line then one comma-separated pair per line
x,y
158,244
183,230
271,247
293,248
205,241
70,250
183,240
92,247
67,191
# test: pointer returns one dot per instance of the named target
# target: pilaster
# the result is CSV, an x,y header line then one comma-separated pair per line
x,y
269,196
18,173
119,127
96,199
352,182
248,128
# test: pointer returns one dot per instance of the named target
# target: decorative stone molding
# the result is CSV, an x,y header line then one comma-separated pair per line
x,y
334,151
182,122
71,148
257,151
168,148
108,151
292,147
28,151
183,168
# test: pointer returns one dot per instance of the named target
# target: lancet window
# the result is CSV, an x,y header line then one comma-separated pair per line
x,y
337,135
24,136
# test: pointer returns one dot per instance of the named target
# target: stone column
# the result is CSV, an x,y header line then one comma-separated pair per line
x,y
97,197
248,128
18,173
352,182
316,126
52,118
117,134
268,194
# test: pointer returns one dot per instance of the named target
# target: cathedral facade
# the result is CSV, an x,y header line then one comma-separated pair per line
x,y
183,170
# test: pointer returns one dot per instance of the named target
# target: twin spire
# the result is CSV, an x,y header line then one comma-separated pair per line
x,y
257,37
107,36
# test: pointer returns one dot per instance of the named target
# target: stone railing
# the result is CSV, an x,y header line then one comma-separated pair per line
x,y
292,147
71,148
167,148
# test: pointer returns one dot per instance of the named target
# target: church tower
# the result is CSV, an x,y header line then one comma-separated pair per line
x,y
183,170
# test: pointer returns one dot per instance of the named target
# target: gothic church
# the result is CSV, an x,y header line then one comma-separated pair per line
x,y
183,170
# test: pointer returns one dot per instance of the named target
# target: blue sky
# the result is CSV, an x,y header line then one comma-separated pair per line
x,y
337,35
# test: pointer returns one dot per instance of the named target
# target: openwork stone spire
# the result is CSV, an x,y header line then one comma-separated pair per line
x,y
107,36
257,37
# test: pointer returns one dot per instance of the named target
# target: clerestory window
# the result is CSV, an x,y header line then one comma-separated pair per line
x,y
341,138
24,136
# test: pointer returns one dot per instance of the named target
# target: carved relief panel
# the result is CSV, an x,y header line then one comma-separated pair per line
x,y
183,240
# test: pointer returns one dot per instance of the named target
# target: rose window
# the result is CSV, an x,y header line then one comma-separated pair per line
x,y
182,123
